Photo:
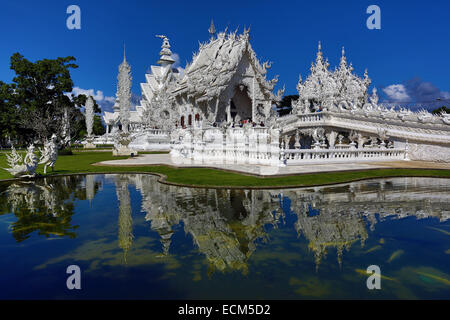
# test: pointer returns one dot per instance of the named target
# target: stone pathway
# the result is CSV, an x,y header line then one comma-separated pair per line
x,y
165,159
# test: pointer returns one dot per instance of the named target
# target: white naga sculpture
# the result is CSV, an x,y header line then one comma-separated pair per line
x,y
49,154
22,168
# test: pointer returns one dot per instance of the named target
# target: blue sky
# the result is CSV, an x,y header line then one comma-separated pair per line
x,y
409,57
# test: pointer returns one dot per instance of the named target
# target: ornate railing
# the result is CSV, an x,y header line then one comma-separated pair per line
x,y
157,132
311,117
260,146
432,129
303,156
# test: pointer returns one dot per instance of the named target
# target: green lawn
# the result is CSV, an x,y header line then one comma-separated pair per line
x,y
81,162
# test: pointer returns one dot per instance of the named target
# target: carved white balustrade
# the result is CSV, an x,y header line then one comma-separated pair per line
x,y
157,132
433,131
304,156
233,146
311,117
258,146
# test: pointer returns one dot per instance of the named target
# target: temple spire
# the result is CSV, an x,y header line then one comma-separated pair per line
x,y
212,29
319,53
343,62
124,93
165,53
367,81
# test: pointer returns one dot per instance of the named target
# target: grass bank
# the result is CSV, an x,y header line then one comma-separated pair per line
x,y
81,162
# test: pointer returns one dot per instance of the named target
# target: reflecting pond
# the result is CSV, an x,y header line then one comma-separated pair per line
x,y
133,237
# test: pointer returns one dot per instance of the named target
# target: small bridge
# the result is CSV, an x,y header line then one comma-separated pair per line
x,y
426,136
398,126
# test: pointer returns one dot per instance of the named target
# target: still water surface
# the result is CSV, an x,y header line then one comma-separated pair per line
x,y
135,238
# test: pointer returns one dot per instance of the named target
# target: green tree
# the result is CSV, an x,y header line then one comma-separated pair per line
x,y
39,90
8,114
98,128
441,109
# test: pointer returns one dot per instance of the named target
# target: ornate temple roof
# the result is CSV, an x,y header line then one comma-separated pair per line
x,y
217,61
326,87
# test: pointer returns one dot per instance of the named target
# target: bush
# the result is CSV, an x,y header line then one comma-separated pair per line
x,y
65,152
106,146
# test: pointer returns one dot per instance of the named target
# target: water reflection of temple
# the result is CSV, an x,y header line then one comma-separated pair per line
x,y
336,217
226,224
125,219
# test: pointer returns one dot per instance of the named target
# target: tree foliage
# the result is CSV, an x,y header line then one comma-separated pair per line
x,y
38,102
440,110
8,113
98,128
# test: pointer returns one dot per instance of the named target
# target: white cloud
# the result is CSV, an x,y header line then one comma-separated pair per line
x,y
97,95
397,92
110,99
176,65
417,94
181,71
105,102
176,57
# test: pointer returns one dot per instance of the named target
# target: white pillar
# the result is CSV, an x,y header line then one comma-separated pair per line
x,y
229,112
253,100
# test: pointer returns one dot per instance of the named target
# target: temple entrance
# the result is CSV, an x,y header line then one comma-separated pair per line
x,y
241,104
233,110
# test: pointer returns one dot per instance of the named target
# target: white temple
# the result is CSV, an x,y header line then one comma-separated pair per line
x,y
222,109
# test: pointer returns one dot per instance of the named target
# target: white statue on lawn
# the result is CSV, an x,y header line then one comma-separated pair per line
x,y
49,154
22,168
89,117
